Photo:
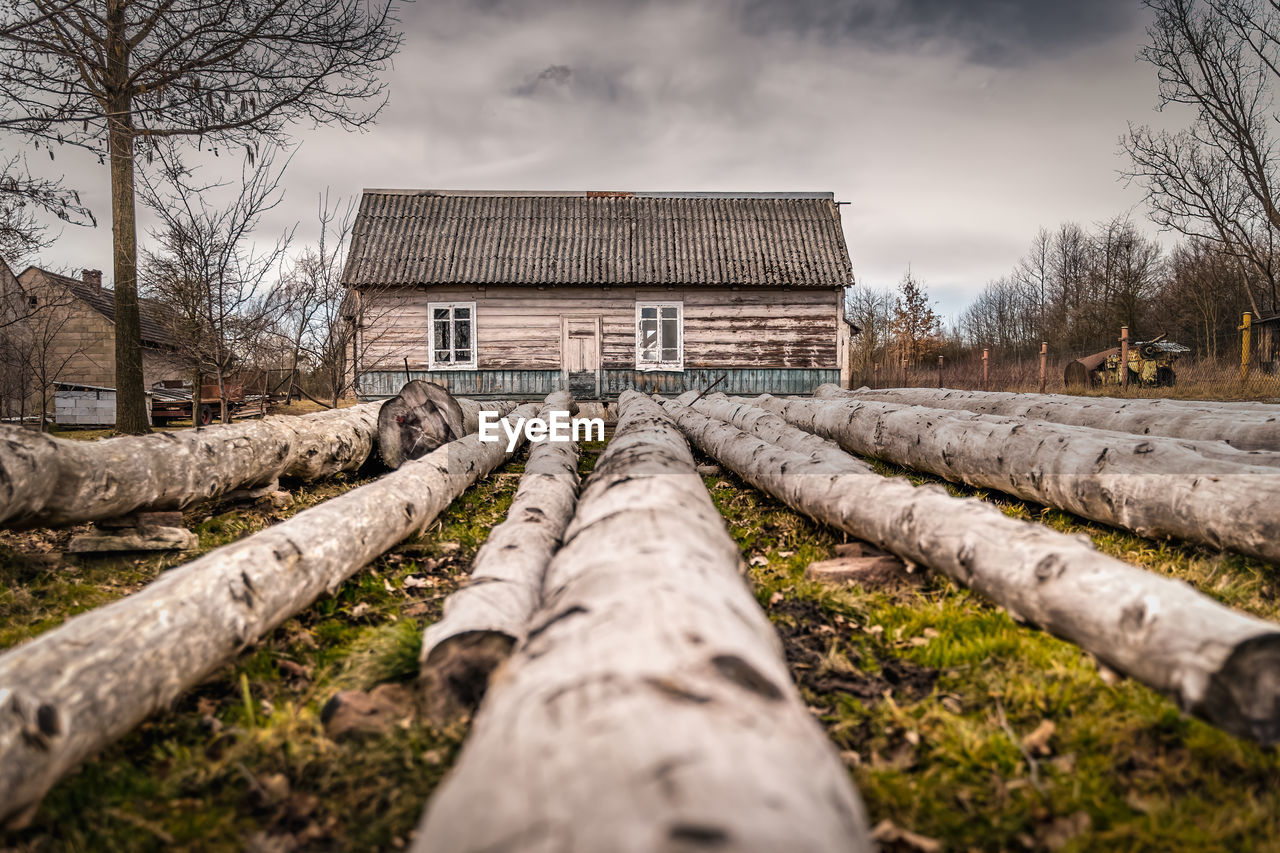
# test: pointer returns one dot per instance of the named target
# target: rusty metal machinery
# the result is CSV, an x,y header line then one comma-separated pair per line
x,y
1151,363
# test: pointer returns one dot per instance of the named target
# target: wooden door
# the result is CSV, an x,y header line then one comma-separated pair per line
x,y
580,354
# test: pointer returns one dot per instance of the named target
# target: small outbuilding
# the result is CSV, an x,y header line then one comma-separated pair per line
x,y
517,294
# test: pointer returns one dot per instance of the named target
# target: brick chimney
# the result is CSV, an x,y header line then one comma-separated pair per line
x,y
93,278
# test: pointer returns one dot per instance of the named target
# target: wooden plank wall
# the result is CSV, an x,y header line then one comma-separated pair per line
x,y
519,328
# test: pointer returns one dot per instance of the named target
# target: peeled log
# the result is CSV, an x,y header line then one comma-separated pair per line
x,y
649,708
47,481
1245,426
1216,663
1155,486
69,692
484,619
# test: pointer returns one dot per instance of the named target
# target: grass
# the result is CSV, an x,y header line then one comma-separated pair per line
x,y
931,693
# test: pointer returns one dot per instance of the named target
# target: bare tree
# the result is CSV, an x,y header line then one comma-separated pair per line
x,y
208,276
116,76
1216,179
23,200
34,349
871,311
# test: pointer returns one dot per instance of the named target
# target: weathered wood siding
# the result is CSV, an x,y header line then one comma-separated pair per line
x,y
519,328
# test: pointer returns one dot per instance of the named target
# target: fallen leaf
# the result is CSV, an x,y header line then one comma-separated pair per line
x,y
1038,741
775,598
758,560
415,582
886,831
785,554
359,610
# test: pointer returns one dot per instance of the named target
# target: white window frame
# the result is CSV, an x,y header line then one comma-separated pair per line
x,y
431,336
678,364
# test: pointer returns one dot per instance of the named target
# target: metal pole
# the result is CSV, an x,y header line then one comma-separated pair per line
x,y
1246,344
986,376
1124,357
1044,361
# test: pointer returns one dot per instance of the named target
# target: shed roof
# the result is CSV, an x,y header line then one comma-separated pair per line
x,y
102,300
409,237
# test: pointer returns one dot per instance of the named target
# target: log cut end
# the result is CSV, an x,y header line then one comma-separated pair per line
x,y
456,673
1243,696
422,417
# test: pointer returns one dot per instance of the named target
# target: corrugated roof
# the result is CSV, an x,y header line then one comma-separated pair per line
x,y
103,300
407,237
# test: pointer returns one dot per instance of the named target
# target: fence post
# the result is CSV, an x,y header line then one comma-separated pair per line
x,y
875,375
986,376
1124,357
940,360
1044,361
1246,344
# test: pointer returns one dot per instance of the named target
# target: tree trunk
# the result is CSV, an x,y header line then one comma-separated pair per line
x,y
1154,486
484,620
1216,663
650,707
131,400
1245,426
77,688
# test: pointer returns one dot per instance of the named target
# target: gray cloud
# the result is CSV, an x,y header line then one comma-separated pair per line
x,y
990,32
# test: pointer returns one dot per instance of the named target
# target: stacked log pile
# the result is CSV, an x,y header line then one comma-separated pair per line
x,y
1218,664
1155,486
71,691
648,707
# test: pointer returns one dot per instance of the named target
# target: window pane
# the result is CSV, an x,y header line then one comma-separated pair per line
x,y
462,334
464,356
649,313
670,333
440,313
462,313
444,356
442,334
670,355
668,312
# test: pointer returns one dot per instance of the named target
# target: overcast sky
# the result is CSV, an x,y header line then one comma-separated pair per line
x,y
953,129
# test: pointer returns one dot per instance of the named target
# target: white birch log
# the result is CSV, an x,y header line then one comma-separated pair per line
x,y
649,708
1249,426
47,481
1153,485
483,620
1216,663
69,692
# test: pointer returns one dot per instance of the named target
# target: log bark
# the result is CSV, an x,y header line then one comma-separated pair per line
x,y
1155,486
483,621
69,692
1218,664
649,708
1244,426
46,481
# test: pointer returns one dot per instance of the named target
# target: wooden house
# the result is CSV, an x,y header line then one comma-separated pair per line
x,y
516,294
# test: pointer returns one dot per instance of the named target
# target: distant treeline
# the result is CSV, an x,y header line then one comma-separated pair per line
x,y
1073,288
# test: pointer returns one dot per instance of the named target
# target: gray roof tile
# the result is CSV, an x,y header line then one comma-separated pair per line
x,y
407,237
